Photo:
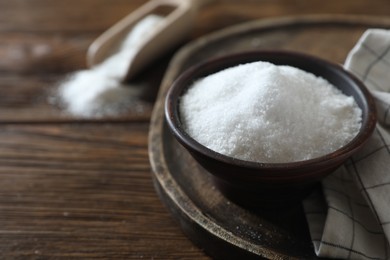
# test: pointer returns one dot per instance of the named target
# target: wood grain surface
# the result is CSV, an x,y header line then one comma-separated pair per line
x,y
75,188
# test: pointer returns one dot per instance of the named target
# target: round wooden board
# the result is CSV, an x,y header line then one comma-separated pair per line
x,y
220,227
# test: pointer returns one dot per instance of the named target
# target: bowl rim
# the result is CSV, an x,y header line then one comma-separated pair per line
x,y
216,63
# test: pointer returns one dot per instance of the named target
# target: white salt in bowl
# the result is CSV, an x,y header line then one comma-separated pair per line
x,y
264,185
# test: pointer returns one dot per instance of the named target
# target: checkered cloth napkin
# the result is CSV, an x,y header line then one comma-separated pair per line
x,y
350,217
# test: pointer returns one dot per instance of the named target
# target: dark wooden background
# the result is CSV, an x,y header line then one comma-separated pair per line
x,y
74,188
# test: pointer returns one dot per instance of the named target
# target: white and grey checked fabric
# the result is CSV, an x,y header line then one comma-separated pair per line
x,y
350,218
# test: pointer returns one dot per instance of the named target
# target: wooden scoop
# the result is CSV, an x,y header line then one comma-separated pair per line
x,y
179,17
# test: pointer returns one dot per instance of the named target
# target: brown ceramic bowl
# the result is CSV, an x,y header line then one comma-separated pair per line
x,y
257,184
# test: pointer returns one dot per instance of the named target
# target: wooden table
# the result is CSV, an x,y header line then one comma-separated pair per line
x,y
76,188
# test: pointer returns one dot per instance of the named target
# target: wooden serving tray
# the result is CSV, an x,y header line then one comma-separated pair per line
x,y
220,227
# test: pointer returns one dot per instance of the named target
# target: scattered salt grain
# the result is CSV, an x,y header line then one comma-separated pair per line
x,y
267,113
99,91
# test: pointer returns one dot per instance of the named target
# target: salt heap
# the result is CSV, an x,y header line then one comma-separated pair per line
x,y
267,113
99,91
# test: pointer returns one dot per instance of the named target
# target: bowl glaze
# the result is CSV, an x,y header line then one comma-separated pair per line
x,y
264,185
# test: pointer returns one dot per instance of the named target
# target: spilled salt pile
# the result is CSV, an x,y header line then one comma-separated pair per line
x,y
99,91
267,113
